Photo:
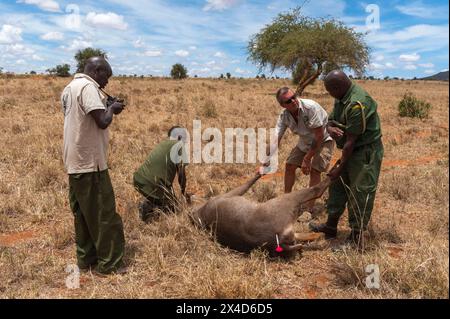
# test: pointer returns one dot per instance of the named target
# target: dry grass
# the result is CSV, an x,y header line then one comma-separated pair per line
x,y
169,257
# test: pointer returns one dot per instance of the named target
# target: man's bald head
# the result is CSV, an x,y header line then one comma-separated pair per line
x,y
99,69
337,84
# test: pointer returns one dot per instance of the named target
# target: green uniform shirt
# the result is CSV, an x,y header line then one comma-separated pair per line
x,y
357,114
158,171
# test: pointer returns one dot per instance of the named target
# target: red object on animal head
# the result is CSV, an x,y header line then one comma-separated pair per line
x,y
278,249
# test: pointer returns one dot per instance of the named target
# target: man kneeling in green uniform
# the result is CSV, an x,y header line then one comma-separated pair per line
x,y
155,177
355,125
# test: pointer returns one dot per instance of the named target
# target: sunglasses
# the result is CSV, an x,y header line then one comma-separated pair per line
x,y
288,101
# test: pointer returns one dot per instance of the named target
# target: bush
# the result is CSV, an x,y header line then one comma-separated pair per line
x,y
178,71
62,70
411,106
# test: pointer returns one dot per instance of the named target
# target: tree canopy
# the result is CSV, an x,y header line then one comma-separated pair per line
x,y
82,55
308,47
178,71
62,70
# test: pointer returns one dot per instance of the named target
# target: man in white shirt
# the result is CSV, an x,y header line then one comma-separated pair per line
x,y
313,152
99,233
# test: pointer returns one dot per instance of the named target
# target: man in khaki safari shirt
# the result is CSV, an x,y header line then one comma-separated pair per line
x,y
98,228
313,152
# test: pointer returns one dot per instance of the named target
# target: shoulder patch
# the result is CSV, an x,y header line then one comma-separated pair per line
x,y
358,105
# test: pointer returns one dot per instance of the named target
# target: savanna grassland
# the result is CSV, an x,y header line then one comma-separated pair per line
x,y
169,258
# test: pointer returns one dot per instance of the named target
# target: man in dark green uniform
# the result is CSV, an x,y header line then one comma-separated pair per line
x,y
355,125
155,177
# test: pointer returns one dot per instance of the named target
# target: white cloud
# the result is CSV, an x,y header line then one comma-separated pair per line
x,y
410,67
153,53
380,66
409,57
444,70
234,61
202,70
417,38
46,5
376,66
182,53
78,44
219,5
19,49
10,34
427,65
20,62
219,54
418,9
379,57
210,63
430,71
138,43
106,20
192,47
52,36
240,71
36,57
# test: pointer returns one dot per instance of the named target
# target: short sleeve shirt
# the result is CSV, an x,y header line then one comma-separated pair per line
x,y
310,116
159,169
85,144
357,112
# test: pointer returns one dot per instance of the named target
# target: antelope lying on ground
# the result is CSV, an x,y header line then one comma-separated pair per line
x,y
243,225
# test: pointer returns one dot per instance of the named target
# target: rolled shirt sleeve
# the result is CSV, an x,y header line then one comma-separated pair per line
x,y
90,99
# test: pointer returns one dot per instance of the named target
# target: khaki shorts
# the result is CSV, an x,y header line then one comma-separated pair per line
x,y
320,162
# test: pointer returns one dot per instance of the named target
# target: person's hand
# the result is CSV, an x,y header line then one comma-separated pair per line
x,y
262,170
306,165
335,132
117,107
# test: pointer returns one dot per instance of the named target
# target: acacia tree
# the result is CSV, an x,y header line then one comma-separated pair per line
x,y
308,47
82,55
178,71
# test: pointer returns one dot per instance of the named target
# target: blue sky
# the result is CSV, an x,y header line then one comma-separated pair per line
x,y
210,36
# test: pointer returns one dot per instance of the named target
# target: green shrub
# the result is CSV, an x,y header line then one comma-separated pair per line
x,y
178,71
411,106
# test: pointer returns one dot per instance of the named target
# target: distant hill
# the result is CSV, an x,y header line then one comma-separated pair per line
x,y
441,76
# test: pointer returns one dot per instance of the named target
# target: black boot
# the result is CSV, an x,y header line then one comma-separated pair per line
x,y
145,210
355,238
329,228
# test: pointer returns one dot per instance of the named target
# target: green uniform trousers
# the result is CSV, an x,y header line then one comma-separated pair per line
x,y
357,186
99,233
147,209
